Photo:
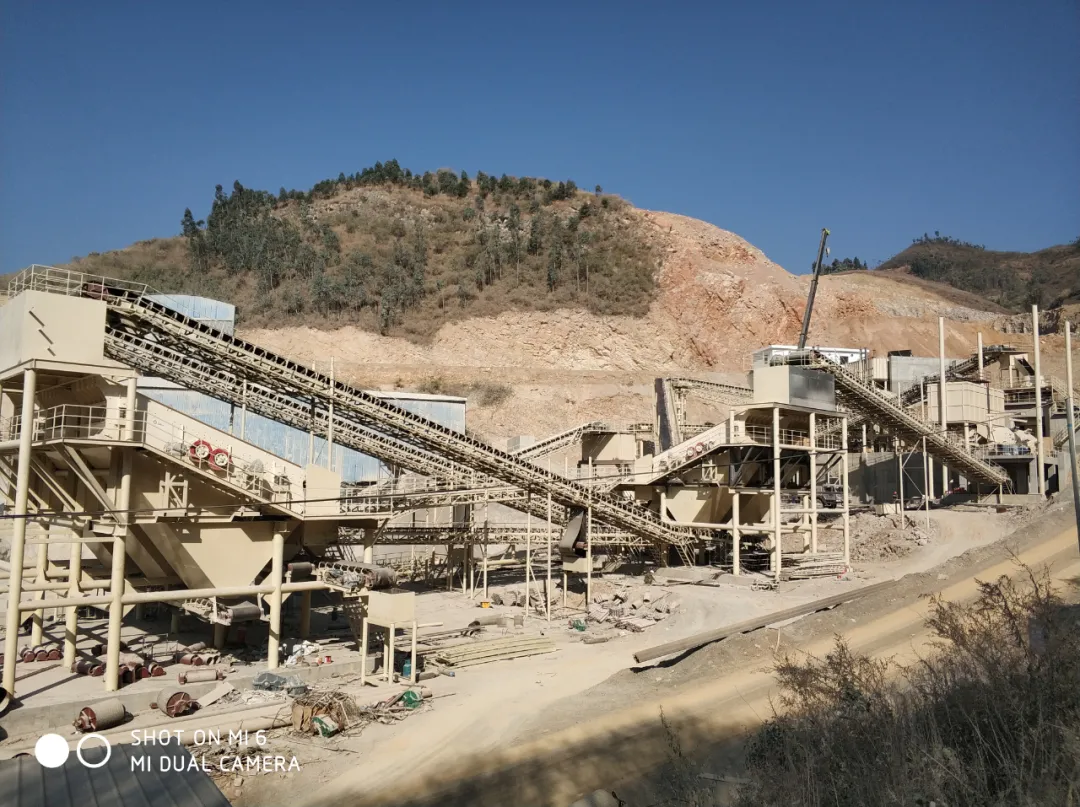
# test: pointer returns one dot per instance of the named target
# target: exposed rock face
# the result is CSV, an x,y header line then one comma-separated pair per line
x,y
719,299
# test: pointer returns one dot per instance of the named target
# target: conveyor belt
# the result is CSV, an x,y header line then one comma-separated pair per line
x,y
669,432
557,441
865,398
155,339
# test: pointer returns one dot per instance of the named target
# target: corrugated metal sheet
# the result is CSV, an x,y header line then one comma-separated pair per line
x,y
215,313
134,776
284,441
293,444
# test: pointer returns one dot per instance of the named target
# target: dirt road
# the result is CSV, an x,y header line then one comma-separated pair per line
x,y
624,746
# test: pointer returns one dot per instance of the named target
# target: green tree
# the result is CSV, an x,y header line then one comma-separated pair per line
x,y
536,235
514,226
555,255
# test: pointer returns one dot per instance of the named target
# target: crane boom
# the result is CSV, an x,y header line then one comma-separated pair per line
x,y
813,290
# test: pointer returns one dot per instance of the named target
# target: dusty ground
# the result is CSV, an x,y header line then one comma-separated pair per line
x,y
490,708
610,735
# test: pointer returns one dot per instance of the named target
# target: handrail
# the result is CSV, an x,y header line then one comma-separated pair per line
x,y
867,397
94,423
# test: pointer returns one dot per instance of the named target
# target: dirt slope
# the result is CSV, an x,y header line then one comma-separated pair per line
x,y
719,299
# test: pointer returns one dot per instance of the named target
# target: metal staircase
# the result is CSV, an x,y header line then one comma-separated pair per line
x,y
862,396
157,340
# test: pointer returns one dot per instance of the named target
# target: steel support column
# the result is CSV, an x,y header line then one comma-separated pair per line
x,y
18,539
813,483
942,395
71,620
1040,451
778,549
846,494
273,645
119,545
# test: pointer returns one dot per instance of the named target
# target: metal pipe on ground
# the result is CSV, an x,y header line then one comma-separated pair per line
x,y
708,637
177,595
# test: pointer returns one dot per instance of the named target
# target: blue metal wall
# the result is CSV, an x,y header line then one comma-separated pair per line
x,y
278,438
218,315
290,443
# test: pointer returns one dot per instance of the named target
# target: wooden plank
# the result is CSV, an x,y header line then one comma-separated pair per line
x,y
465,648
491,651
708,637
474,662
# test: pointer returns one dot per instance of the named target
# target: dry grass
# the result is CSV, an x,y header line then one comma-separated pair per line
x,y
611,272
479,393
990,718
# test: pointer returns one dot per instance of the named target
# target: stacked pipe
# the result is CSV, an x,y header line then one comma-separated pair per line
x,y
197,655
132,668
40,653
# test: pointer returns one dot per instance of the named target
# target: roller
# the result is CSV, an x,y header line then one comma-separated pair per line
x,y
199,676
100,716
245,612
174,702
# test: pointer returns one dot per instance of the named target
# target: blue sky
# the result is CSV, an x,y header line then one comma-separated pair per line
x,y
770,119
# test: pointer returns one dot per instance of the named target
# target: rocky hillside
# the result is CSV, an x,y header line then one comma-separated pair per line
x,y
1049,278
718,298
545,305
400,253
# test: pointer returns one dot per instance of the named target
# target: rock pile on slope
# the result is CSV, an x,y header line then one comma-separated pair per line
x,y
875,538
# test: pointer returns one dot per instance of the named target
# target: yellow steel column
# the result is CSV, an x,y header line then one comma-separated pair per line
x,y
778,550
37,623
71,621
18,539
273,646
813,483
845,493
735,562
119,546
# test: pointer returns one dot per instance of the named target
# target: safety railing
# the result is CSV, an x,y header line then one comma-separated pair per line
x,y
1003,450
788,437
202,449
68,282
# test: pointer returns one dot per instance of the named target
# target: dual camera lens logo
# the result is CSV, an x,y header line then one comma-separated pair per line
x,y
52,750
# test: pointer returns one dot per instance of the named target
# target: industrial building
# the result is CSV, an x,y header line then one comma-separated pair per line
x,y
151,456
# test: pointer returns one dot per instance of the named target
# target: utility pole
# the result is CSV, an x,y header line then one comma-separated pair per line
x,y
1070,424
1040,452
942,402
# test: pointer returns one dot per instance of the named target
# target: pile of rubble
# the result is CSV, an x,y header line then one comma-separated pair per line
x,y
876,538
629,607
